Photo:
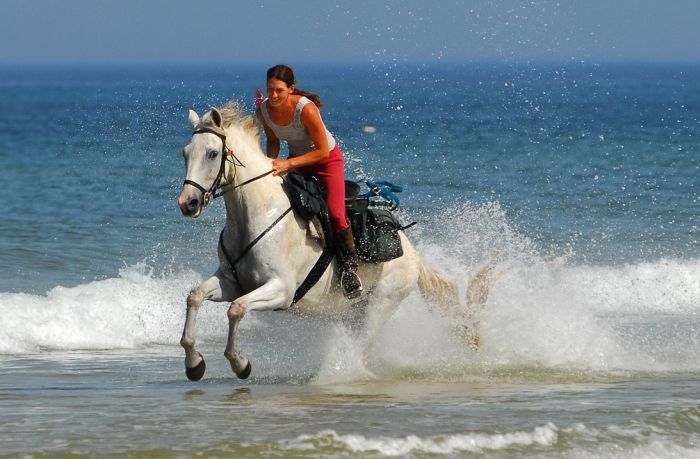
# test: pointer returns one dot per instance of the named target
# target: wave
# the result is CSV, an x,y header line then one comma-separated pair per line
x,y
627,440
541,315
549,315
579,440
443,444
131,310
641,317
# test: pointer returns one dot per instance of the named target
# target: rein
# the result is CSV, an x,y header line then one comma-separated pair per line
x,y
226,188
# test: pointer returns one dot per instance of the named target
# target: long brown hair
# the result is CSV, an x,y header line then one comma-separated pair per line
x,y
285,73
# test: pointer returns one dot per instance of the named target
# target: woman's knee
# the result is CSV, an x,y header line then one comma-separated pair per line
x,y
339,223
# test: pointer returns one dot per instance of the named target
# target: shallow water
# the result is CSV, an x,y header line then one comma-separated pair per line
x,y
136,404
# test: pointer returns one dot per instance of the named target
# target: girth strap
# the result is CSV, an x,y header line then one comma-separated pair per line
x,y
315,274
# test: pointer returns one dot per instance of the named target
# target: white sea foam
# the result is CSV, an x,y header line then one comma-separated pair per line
x,y
132,310
577,441
635,440
546,315
655,449
601,318
555,312
545,435
343,360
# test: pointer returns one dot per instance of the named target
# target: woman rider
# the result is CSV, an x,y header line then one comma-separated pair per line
x,y
293,115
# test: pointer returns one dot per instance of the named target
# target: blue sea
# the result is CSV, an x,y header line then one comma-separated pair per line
x,y
582,180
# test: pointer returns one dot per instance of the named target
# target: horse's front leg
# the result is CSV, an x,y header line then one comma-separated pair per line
x,y
270,296
216,288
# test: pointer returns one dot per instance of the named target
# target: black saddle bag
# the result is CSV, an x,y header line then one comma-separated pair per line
x,y
305,194
376,229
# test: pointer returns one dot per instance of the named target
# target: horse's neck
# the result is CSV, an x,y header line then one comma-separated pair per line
x,y
251,202
248,160
256,197
254,208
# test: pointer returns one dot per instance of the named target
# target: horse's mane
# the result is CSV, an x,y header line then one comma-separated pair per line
x,y
232,113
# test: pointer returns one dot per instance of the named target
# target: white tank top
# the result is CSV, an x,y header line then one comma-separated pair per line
x,y
295,134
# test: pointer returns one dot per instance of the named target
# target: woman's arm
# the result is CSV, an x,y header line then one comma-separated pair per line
x,y
272,144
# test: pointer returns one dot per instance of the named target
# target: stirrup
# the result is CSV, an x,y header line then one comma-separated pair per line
x,y
354,289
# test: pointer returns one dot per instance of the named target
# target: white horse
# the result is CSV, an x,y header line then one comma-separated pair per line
x,y
272,249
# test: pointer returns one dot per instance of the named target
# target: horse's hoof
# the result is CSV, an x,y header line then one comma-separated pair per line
x,y
246,371
196,373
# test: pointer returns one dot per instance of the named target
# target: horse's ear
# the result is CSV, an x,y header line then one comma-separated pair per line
x,y
193,119
216,117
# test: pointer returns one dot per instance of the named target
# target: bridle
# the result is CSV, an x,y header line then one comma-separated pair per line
x,y
208,195
226,155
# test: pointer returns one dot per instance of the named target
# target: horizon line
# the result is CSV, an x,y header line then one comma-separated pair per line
x,y
336,63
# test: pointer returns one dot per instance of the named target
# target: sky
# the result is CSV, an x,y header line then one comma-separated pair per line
x,y
358,31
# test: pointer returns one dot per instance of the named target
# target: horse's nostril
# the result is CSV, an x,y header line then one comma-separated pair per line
x,y
193,204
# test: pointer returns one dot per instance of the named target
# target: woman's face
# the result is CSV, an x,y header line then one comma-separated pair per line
x,y
278,91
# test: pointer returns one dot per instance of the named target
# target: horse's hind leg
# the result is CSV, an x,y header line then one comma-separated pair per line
x,y
216,288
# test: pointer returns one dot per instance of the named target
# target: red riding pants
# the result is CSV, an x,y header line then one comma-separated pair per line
x,y
330,174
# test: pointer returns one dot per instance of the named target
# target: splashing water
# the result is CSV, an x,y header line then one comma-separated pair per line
x,y
540,313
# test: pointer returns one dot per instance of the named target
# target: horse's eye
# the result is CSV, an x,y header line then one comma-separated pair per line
x,y
211,154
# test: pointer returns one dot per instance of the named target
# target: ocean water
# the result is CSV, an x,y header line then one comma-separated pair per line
x,y
583,180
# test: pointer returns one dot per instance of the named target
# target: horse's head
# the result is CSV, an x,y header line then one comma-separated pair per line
x,y
205,162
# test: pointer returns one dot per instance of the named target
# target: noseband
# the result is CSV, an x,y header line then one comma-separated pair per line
x,y
211,193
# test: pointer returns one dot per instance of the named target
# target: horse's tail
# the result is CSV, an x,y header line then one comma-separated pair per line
x,y
437,288
443,291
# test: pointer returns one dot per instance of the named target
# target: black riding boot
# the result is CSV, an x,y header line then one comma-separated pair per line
x,y
345,249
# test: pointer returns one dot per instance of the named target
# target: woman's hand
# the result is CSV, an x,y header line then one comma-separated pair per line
x,y
280,166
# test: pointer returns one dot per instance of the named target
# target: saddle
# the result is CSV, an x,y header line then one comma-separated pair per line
x,y
374,226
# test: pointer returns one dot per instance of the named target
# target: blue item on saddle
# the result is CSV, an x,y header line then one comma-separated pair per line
x,y
384,190
374,225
